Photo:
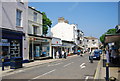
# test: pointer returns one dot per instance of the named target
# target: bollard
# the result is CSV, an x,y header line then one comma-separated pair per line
x,y
107,71
2,64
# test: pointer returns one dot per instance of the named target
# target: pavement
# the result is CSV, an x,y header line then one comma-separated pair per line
x,y
101,71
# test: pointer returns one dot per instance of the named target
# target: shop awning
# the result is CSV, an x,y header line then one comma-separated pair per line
x,y
112,38
56,45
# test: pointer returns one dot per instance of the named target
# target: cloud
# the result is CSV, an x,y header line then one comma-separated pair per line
x,y
73,6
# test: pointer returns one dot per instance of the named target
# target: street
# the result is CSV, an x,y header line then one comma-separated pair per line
x,y
76,67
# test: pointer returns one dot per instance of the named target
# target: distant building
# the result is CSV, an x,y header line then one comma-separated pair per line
x,y
91,43
67,32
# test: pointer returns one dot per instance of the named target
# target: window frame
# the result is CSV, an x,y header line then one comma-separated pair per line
x,y
35,30
18,17
35,16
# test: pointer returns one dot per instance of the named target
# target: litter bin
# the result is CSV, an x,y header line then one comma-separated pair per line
x,y
16,62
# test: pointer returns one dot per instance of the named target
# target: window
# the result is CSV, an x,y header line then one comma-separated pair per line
x,y
35,30
18,17
35,16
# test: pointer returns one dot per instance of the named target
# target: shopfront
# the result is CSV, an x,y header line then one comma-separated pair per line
x,y
11,43
69,46
39,47
56,47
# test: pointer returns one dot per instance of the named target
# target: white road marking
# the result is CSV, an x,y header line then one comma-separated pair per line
x,y
55,64
86,78
42,75
68,64
82,65
13,72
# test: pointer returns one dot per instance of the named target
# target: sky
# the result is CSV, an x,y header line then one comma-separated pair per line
x,y
93,18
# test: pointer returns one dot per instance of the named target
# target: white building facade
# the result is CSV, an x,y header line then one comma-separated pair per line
x,y
91,43
39,46
66,31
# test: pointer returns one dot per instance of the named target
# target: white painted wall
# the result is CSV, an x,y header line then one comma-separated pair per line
x,y
90,43
9,15
63,31
31,21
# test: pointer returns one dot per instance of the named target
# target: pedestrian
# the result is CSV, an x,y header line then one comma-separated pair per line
x,y
55,54
78,51
107,54
63,54
91,56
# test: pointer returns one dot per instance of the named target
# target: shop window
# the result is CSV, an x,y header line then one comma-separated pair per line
x,y
15,48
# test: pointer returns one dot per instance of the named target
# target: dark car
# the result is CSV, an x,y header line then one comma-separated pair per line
x,y
100,51
96,55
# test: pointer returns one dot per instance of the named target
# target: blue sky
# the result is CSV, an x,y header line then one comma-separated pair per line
x,y
93,18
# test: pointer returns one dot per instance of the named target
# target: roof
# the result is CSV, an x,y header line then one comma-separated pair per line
x,y
67,41
90,38
112,38
40,36
34,9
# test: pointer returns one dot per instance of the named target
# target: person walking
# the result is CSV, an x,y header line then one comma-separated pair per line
x,y
91,56
65,55
78,51
113,55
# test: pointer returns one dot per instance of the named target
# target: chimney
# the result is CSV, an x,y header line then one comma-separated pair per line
x,y
66,21
61,20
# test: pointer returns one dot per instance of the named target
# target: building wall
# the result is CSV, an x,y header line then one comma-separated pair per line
x,y
63,31
9,15
88,43
0,14
31,21
9,20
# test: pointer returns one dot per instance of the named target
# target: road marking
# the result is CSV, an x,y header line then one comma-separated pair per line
x,y
42,75
68,64
13,73
55,64
82,65
86,78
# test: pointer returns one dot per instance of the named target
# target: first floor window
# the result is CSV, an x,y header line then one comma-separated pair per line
x,y
18,17
35,30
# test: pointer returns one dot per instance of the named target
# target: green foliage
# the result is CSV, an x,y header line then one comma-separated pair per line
x,y
110,31
46,23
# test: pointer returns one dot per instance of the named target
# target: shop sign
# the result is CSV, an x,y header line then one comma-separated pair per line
x,y
44,40
4,42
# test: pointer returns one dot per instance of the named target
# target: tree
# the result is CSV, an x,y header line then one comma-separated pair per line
x,y
46,23
110,31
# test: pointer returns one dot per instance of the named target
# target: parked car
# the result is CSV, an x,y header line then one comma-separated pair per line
x,y
100,51
96,55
